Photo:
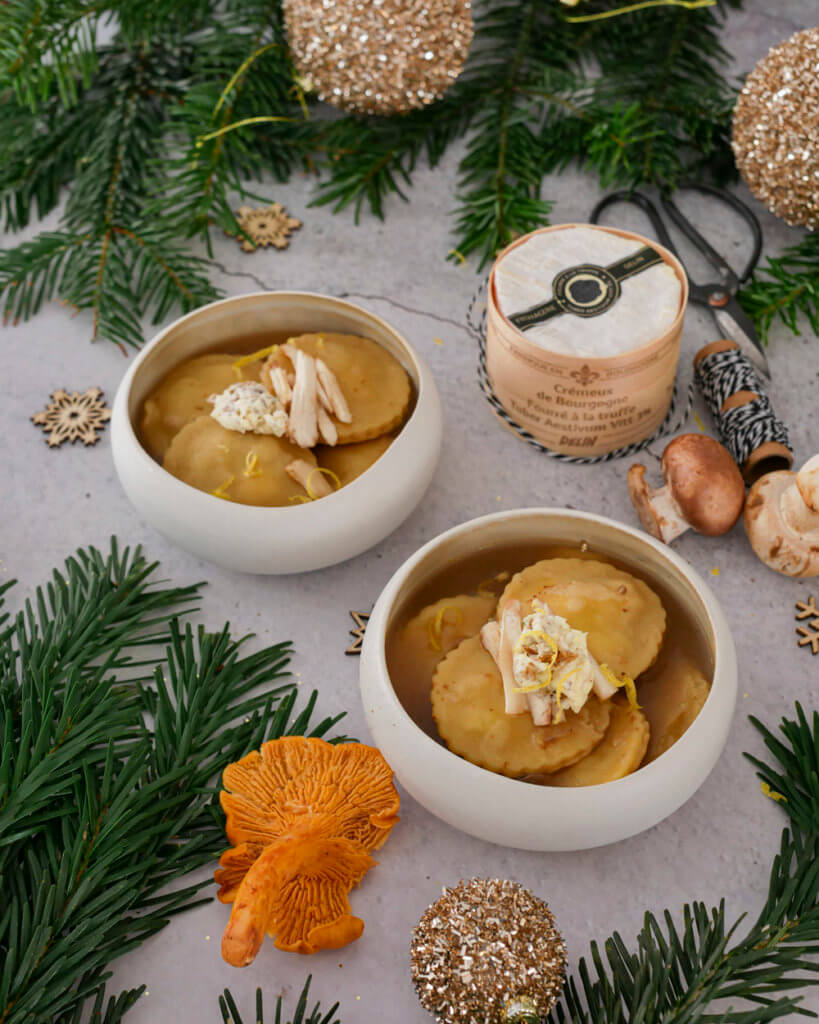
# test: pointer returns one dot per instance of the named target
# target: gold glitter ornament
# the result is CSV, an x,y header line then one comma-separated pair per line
x,y
776,130
378,56
488,951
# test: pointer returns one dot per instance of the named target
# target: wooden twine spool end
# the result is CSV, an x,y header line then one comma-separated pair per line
x,y
770,455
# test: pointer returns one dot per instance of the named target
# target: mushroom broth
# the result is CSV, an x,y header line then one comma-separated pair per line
x,y
660,688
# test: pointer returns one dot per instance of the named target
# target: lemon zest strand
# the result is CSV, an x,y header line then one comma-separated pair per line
x,y
772,793
436,625
327,472
547,669
622,682
252,465
260,354
220,491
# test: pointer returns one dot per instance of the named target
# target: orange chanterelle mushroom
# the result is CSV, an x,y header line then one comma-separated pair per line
x,y
303,816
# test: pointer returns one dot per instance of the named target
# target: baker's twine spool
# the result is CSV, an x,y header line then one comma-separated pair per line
x,y
476,324
742,411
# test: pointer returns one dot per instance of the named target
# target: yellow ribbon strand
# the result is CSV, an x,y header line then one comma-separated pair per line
x,y
242,68
690,5
239,124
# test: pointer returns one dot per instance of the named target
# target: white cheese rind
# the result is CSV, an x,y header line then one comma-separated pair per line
x,y
648,304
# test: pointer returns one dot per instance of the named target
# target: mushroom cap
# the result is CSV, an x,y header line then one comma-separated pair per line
x,y
705,483
776,540
807,482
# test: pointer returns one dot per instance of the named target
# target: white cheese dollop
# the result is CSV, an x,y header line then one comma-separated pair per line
x,y
648,304
249,408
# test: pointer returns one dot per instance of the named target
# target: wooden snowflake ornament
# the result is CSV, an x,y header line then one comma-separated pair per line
x,y
266,225
809,633
360,619
73,417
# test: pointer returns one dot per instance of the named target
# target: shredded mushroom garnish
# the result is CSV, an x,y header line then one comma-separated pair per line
x,y
311,394
331,389
303,429
303,473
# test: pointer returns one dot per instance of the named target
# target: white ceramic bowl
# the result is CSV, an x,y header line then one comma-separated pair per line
x,y
276,540
519,814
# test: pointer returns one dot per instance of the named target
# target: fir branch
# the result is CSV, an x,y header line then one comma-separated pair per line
x,y
194,101
231,1014
787,287
106,258
242,70
794,781
47,44
109,765
502,170
679,974
367,161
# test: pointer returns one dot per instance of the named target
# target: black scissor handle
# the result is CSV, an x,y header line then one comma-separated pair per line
x,y
731,279
645,204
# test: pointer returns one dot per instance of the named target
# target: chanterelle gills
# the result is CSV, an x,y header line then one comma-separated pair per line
x,y
248,408
545,665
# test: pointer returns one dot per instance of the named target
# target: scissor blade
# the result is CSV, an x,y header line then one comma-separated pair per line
x,y
729,321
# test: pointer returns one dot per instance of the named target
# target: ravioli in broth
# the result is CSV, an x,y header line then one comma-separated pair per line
x,y
653,661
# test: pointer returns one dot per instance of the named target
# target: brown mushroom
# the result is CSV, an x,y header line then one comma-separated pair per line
x,y
703,490
782,520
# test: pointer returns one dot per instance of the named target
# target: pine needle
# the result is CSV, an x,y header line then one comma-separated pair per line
x,y
117,718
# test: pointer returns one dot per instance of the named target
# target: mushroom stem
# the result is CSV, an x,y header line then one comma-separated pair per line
x,y
602,687
304,407
326,427
280,384
251,910
332,388
496,642
658,512
306,474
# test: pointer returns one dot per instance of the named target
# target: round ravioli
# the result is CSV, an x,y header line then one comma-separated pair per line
x,y
623,617
671,701
620,752
440,627
349,461
245,468
376,386
183,395
468,707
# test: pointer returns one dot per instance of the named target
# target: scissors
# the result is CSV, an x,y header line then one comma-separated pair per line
x,y
720,296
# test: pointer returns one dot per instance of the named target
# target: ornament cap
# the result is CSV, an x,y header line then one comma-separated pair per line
x,y
521,1010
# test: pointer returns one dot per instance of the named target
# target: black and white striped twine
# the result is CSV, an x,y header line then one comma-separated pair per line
x,y
743,429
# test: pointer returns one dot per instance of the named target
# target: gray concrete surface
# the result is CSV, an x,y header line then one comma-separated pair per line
x,y
719,844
